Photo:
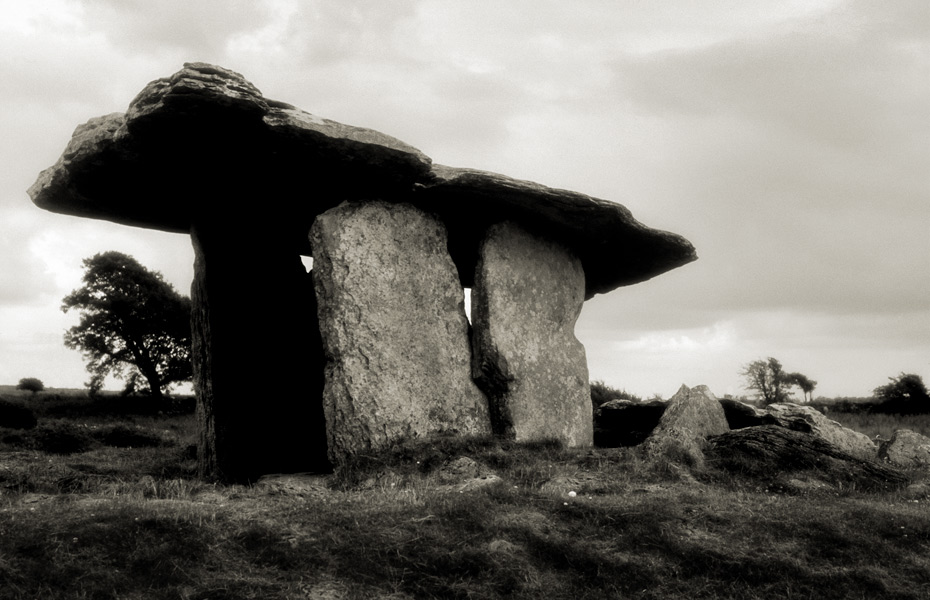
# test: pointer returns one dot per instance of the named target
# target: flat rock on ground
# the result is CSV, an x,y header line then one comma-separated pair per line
x,y
807,419
772,452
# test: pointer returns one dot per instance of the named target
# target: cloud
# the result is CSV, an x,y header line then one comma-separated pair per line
x,y
792,159
199,30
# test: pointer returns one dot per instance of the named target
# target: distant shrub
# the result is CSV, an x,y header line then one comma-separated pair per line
x,y
16,416
61,438
601,393
30,384
905,395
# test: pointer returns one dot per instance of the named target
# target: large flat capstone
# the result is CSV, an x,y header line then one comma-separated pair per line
x,y
192,144
527,296
394,330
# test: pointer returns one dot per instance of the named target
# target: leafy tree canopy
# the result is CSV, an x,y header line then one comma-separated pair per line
x,y
773,383
133,324
905,393
30,384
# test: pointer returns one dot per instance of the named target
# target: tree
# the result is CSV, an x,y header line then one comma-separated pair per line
x,y
906,394
768,378
806,384
30,384
772,382
133,323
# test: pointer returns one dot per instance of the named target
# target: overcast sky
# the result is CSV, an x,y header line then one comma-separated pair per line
x,y
790,142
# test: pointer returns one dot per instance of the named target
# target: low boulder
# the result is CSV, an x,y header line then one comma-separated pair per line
x,y
692,415
626,422
906,449
778,455
806,419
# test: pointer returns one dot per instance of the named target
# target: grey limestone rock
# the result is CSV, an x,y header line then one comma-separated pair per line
x,y
906,449
693,415
775,454
807,419
394,329
614,248
528,294
205,138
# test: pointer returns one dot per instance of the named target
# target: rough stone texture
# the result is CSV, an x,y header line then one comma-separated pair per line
x,y
906,449
693,414
257,356
614,248
392,318
625,422
808,420
189,139
776,454
527,296
196,138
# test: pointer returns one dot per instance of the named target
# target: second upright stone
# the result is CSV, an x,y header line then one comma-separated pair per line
x,y
528,294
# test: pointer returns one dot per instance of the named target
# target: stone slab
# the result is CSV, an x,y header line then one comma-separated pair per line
x,y
693,415
190,141
527,296
394,330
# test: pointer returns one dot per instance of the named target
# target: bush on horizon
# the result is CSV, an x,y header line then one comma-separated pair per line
x,y
906,394
30,384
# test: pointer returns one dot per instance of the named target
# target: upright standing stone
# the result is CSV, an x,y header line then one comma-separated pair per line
x,y
527,296
394,330
258,366
693,415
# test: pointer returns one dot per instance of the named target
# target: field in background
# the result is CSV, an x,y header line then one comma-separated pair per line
x,y
102,505
881,425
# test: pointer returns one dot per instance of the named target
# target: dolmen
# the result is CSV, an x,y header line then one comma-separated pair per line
x,y
298,371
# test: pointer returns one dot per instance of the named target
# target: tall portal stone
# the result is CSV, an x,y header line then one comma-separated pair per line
x,y
527,296
394,330
258,364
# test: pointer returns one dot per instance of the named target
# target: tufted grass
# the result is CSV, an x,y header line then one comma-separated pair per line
x,y
110,522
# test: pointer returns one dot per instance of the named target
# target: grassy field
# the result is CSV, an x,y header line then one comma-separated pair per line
x,y
83,518
882,426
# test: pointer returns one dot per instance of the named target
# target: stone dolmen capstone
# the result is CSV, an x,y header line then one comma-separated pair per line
x,y
204,153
